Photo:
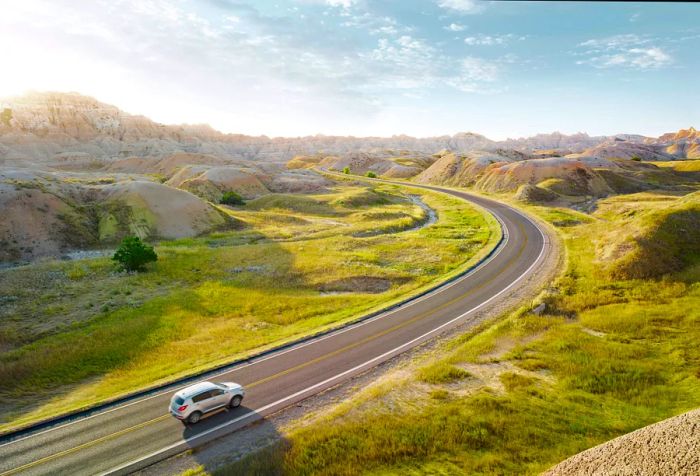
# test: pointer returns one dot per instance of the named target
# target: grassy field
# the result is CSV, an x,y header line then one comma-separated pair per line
x,y
680,165
526,391
74,333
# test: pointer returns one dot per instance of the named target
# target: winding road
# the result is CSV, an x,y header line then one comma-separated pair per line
x,y
137,433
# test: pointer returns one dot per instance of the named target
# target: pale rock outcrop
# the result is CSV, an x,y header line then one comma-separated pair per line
x,y
670,447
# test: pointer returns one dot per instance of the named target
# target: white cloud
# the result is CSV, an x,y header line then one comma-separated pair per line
x,y
405,57
461,6
341,3
625,51
489,40
455,27
614,42
473,73
639,58
409,63
385,30
375,25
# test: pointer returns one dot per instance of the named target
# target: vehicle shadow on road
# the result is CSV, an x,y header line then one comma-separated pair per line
x,y
235,441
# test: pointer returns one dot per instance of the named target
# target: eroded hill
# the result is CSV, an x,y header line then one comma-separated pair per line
x,y
76,173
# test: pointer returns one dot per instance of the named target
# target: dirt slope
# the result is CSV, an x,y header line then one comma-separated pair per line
x,y
45,214
671,447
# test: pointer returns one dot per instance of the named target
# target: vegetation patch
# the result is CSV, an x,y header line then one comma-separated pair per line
x,y
294,203
231,198
654,242
532,194
442,372
363,198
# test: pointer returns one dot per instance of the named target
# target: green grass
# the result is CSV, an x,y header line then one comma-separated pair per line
x,y
442,372
663,238
681,165
607,357
75,333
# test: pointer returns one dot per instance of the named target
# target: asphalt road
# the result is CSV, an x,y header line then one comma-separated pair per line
x,y
132,435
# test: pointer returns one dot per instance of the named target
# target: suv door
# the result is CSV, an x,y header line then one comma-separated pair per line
x,y
218,398
202,401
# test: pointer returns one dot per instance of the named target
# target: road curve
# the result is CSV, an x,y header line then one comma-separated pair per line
x,y
137,433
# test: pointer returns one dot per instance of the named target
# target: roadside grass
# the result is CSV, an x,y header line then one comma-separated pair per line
x,y
607,357
76,333
442,372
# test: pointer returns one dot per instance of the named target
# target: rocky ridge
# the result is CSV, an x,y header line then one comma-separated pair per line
x,y
66,160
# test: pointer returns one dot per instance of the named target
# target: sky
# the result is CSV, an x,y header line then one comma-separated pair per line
x,y
366,68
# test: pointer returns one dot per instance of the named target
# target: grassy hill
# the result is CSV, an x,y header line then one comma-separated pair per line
x,y
659,238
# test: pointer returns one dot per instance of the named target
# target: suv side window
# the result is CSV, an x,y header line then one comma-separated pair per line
x,y
217,392
201,397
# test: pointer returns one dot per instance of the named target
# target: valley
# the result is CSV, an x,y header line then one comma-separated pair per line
x,y
313,242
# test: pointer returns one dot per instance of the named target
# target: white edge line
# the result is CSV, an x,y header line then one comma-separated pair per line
x,y
346,372
348,327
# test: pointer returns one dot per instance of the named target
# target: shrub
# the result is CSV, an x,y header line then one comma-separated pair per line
x,y
133,254
371,174
346,170
637,158
231,198
5,116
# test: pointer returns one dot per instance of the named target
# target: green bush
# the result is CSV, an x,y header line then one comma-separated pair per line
x,y
133,254
371,174
346,170
637,158
231,198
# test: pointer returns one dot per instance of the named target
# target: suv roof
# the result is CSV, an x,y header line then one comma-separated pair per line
x,y
196,388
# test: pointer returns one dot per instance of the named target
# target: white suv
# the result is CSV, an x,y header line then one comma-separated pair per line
x,y
191,403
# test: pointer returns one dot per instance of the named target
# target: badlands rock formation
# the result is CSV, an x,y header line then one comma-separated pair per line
x,y
463,170
75,172
46,215
684,143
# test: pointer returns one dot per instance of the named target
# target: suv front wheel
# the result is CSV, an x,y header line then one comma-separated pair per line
x,y
235,401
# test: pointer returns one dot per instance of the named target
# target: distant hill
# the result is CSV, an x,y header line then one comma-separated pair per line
x,y
95,173
41,126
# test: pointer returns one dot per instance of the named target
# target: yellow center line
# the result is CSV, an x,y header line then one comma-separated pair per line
x,y
83,446
393,328
283,372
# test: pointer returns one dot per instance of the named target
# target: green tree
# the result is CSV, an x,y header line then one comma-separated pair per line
x,y
231,198
133,254
636,158
371,174
346,170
